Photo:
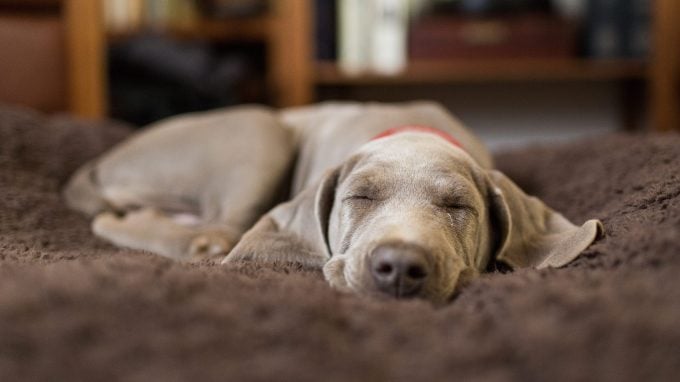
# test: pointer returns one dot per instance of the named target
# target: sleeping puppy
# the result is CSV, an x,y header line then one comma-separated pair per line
x,y
388,199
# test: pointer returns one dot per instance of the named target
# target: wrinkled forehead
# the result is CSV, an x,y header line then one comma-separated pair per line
x,y
416,152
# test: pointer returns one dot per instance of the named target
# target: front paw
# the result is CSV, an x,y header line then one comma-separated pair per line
x,y
106,224
209,246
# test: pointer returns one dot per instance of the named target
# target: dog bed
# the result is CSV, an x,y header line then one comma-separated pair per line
x,y
73,307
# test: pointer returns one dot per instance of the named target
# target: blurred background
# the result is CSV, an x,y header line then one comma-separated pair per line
x,y
515,71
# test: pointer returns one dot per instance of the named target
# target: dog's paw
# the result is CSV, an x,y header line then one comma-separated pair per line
x,y
209,246
104,223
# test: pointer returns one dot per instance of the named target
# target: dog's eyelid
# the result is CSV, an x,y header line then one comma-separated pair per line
x,y
469,209
365,191
457,204
455,200
461,209
358,197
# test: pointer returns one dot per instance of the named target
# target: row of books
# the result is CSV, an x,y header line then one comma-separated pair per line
x,y
618,28
132,15
380,36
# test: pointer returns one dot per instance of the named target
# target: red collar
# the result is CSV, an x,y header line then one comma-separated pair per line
x,y
419,129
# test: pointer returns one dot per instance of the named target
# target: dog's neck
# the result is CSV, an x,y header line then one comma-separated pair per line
x,y
419,129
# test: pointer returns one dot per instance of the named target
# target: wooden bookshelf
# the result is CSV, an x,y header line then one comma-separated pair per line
x,y
290,52
72,55
660,74
664,72
237,29
252,28
85,46
470,71
294,76
285,30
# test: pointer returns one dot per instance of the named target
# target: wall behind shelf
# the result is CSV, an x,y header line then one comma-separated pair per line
x,y
513,114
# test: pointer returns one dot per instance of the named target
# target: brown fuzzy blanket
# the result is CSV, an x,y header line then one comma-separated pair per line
x,y
74,308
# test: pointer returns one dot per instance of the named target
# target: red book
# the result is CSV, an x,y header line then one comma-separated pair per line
x,y
518,36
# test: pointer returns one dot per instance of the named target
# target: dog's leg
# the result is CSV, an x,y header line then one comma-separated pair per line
x,y
151,230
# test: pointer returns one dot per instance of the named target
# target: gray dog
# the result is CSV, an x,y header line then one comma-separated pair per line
x,y
389,199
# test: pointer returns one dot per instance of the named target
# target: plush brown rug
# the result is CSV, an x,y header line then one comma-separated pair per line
x,y
74,308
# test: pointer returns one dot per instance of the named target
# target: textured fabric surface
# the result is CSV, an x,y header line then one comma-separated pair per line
x,y
74,308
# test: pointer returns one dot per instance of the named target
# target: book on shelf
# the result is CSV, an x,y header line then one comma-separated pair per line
x,y
170,14
617,28
372,36
353,48
380,36
506,36
638,39
388,36
325,29
226,9
124,16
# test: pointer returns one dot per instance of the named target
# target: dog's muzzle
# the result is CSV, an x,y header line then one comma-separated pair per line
x,y
399,269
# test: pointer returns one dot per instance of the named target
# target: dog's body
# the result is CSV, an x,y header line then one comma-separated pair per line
x,y
409,214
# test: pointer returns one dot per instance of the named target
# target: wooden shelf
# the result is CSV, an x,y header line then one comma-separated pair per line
x,y
294,76
237,29
466,71
232,29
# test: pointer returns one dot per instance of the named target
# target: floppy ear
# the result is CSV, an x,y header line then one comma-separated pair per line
x,y
530,234
293,232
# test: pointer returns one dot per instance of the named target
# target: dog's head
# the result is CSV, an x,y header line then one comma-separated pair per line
x,y
411,215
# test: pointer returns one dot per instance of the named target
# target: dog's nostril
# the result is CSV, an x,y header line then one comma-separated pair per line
x,y
416,272
384,269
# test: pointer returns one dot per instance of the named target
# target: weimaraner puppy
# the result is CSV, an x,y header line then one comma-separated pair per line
x,y
388,199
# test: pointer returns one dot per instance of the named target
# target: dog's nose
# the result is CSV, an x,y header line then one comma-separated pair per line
x,y
399,270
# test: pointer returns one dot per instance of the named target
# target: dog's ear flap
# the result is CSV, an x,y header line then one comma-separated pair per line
x,y
293,232
529,233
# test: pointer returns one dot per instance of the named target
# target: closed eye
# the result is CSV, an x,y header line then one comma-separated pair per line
x,y
458,207
358,197
452,206
455,202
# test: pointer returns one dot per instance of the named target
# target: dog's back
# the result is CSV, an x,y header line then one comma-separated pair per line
x,y
188,163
